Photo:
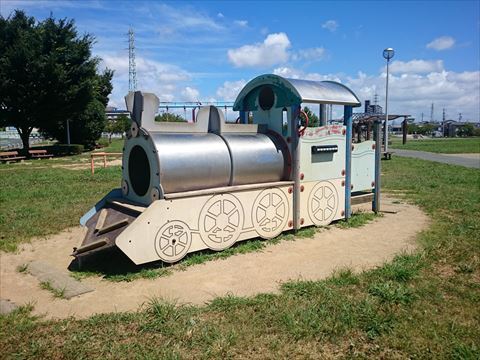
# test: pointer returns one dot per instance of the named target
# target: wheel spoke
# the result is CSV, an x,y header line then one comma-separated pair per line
x,y
166,243
231,211
278,218
264,208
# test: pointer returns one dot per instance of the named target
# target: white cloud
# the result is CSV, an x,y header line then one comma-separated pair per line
x,y
220,15
409,92
311,54
413,93
189,18
292,73
441,43
190,94
241,23
330,25
163,79
416,66
230,89
273,50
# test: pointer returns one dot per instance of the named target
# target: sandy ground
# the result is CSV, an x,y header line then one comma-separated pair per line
x,y
80,165
242,275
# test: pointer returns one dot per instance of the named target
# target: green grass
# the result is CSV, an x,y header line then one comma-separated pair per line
x,y
115,146
58,293
422,305
42,201
446,146
357,220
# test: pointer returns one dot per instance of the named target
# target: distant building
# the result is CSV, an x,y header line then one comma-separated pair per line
x,y
113,113
450,127
372,109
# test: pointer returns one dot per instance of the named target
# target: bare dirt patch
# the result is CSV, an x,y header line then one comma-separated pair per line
x,y
242,275
81,166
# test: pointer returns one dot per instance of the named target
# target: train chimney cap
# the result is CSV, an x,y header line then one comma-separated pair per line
x,y
294,92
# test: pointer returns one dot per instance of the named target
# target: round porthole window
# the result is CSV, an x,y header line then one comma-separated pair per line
x,y
266,98
139,170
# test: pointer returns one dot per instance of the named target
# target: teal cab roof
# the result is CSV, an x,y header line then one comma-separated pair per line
x,y
290,92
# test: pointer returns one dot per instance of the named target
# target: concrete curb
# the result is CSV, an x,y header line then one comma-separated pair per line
x,y
63,283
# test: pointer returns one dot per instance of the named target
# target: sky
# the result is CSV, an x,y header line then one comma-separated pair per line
x,y
208,50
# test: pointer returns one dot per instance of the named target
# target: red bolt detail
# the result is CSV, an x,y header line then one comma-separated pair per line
x,y
342,213
302,176
343,132
373,183
290,223
290,190
343,172
373,146
301,188
302,221
353,147
343,183
351,186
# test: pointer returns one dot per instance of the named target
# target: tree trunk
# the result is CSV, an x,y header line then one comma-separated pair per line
x,y
25,136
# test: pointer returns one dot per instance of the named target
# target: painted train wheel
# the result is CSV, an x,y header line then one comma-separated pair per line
x,y
323,203
221,221
270,213
173,241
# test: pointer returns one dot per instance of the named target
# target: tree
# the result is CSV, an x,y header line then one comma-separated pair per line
x,y
313,120
119,125
48,76
169,117
422,129
466,130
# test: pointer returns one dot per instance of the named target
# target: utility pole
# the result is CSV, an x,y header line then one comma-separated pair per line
x,y
422,117
431,113
459,117
388,54
132,72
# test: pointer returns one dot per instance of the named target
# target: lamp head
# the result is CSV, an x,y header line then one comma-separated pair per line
x,y
388,53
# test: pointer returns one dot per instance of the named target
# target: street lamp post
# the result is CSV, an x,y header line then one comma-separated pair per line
x,y
387,54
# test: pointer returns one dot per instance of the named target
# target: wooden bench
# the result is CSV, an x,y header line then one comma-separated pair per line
x,y
9,156
39,154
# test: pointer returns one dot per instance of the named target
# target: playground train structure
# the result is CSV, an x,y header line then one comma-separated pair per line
x,y
210,184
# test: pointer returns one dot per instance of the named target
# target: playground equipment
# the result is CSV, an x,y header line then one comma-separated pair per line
x,y
209,184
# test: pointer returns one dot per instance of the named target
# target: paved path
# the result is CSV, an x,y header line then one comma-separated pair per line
x,y
468,160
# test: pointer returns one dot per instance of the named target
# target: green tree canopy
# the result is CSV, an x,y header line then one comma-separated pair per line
x,y
119,125
169,117
48,76
466,130
313,120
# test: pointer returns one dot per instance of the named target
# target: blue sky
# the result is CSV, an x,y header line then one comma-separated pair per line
x,y
209,50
